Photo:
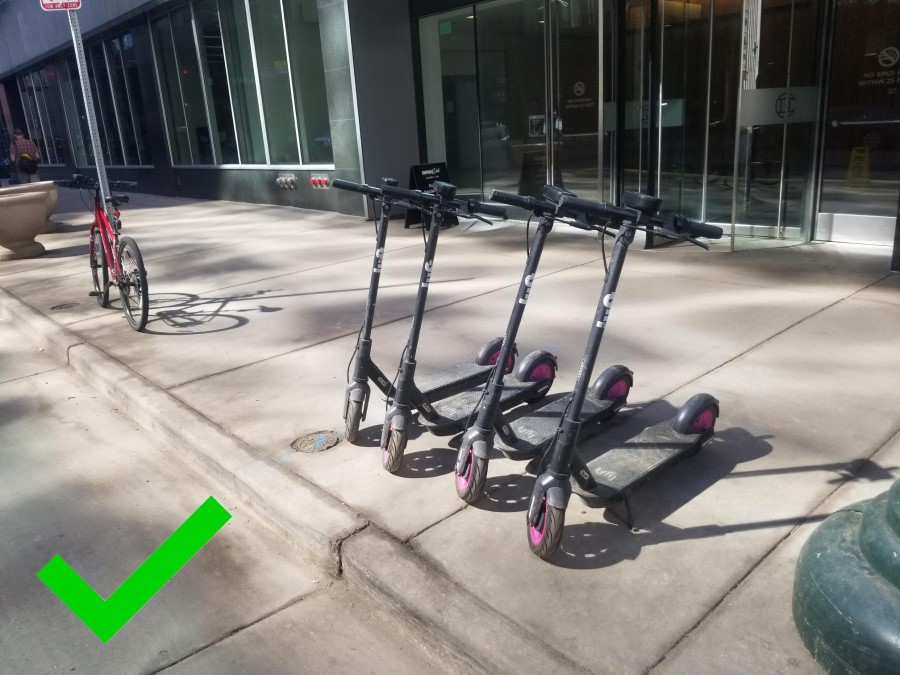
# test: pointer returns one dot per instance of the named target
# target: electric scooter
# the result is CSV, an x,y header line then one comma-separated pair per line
x,y
443,384
615,474
462,388
529,435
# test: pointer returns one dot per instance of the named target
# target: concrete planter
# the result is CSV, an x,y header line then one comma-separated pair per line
x,y
47,186
22,216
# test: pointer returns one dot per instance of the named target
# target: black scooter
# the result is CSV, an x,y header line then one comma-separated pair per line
x,y
530,435
613,475
461,388
443,384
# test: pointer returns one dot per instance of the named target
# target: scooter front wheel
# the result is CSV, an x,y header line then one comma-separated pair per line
x,y
470,483
351,426
546,536
392,455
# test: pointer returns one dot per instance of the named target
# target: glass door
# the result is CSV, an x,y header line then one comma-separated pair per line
x,y
579,97
772,195
861,143
511,48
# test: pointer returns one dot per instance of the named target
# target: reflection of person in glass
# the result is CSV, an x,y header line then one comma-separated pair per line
x,y
24,148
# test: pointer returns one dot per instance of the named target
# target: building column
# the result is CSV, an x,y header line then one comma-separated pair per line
x,y
341,108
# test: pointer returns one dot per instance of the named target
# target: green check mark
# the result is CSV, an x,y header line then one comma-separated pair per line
x,y
106,617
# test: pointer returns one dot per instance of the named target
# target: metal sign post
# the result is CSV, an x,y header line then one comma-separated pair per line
x,y
89,109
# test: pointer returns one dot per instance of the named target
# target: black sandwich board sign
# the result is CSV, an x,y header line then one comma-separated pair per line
x,y
421,176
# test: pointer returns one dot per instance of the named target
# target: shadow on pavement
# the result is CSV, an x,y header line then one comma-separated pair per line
x,y
190,314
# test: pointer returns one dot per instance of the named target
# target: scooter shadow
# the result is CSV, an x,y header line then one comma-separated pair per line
x,y
596,545
602,544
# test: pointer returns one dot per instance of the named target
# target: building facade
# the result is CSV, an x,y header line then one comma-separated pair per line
x,y
779,119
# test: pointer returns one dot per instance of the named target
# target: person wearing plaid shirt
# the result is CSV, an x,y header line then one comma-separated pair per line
x,y
23,146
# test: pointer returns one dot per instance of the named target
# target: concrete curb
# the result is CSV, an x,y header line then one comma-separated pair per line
x,y
453,622
449,619
309,517
40,328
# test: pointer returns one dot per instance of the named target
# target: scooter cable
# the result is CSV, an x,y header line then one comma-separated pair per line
x,y
396,375
603,251
528,235
353,355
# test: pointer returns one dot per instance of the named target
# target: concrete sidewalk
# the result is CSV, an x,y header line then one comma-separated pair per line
x,y
81,480
253,319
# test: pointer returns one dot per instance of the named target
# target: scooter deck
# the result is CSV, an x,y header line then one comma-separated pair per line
x,y
455,411
537,429
430,384
620,471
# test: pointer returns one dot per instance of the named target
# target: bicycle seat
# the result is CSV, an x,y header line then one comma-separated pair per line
x,y
117,200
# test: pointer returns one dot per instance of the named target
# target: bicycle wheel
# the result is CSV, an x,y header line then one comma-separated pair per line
x,y
133,284
99,270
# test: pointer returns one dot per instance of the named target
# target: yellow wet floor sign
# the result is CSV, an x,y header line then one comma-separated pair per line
x,y
858,169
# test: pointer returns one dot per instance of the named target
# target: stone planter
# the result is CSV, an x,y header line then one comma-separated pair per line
x,y
47,186
21,218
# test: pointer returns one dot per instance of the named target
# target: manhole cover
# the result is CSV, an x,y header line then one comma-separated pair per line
x,y
65,305
317,441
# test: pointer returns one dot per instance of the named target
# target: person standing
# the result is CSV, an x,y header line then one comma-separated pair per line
x,y
25,155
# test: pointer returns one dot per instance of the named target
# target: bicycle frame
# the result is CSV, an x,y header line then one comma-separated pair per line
x,y
109,235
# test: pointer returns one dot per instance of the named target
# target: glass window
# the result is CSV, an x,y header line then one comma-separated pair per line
x,y
115,52
302,18
242,81
103,105
170,86
274,81
191,87
44,117
212,56
73,103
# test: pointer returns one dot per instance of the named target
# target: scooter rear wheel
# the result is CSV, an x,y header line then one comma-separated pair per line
x,y
392,455
490,352
470,483
351,426
544,538
698,415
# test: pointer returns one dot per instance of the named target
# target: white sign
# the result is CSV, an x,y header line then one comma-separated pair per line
x,y
53,5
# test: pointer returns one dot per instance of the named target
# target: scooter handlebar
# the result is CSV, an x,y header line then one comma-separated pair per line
x,y
412,196
577,206
488,209
362,188
694,229
521,201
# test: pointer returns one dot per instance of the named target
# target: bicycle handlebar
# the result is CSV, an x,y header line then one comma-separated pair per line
x,y
80,182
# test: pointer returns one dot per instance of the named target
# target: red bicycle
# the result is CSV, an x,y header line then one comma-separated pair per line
x,y
115,261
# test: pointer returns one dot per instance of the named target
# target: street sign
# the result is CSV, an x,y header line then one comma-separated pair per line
x,y
53,5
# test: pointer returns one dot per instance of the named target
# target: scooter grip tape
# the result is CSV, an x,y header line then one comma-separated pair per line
x,y
512,199
695,229
489,209
342,184
580,206
413,196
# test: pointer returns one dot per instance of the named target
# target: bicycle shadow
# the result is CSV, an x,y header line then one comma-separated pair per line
x,y
192,314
